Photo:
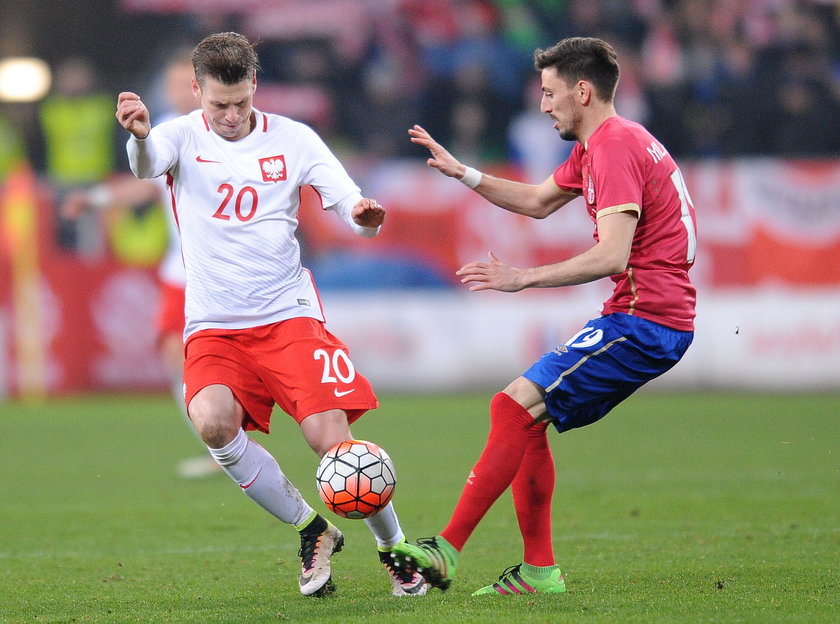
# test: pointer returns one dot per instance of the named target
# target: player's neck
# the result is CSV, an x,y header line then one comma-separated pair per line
x,y
595,120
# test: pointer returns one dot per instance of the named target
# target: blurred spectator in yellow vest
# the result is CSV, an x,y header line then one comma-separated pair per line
x,y
11,148
77,124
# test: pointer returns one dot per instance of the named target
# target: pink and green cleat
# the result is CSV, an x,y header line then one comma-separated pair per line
x,y
515,580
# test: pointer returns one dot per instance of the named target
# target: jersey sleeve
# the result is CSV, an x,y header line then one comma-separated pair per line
x,y
325,173
337,190
569,175
153,156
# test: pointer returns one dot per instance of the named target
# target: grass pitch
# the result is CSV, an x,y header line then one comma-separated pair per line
x,y
675,508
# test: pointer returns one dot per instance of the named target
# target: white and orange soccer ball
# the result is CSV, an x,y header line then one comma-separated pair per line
x,y
356,479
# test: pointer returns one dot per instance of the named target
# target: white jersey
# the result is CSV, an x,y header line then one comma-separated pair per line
x,y
236,204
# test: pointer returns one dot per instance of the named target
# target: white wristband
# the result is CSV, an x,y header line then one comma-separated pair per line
x,y
472,177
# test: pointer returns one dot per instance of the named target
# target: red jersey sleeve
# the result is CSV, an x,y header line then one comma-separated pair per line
x,y
569,176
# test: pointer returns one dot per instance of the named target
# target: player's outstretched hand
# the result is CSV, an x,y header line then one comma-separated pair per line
x,y
441,159
492,275
133,114
368,213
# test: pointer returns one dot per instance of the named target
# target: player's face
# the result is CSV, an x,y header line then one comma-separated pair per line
x,y
559,102
227,108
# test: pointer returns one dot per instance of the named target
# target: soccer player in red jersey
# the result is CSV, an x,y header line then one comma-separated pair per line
x,y
645,240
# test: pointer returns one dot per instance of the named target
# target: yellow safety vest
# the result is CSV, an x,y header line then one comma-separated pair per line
x,y
79,137
11,148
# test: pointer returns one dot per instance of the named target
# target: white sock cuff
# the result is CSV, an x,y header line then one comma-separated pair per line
x,y
233,451
385,528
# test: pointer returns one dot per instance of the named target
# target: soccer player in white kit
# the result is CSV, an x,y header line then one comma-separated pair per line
x,y
255,333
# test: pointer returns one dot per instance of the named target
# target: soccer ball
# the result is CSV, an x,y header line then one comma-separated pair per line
x,y
356,479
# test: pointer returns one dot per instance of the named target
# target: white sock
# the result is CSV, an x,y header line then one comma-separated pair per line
x,y
260,477
385,527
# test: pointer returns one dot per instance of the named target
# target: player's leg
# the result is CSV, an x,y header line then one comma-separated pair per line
x,y
223,397
315,381
324,430
218,417
579,372
405,580
594,371
170,333
533,489
510,425
172,354
493,473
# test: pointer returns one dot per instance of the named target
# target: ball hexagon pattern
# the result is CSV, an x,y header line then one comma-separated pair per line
x,y
356,479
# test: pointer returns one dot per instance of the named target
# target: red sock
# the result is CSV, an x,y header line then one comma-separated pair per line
x,y
533,489
495,469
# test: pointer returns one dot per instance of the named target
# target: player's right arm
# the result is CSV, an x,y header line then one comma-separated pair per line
x,y
148,155
133,114
532,200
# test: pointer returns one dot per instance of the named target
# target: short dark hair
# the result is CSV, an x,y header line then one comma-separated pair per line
x,y
228,57
583,58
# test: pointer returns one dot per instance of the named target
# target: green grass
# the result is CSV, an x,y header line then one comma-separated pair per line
x,y
675,508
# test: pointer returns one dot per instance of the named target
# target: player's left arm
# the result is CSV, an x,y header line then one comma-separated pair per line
x,y
363,214
330,180
368,213
609,256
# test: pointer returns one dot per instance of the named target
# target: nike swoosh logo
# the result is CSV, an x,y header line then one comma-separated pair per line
x,y
204,160
338,393
245,486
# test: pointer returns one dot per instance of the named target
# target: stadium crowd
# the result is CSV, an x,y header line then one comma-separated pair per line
x,y
710,78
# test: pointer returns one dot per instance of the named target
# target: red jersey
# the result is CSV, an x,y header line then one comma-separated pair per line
x,y
624,169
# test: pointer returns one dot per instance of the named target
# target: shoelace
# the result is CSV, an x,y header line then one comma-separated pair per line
x,y
428,543
307,550
404,575
514,569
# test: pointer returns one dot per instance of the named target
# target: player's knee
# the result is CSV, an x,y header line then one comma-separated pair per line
x,y
505,410
216,435
501,406
214,418
324,430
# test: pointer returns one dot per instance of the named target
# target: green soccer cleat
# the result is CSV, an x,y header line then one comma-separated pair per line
x,y
433,557
515,581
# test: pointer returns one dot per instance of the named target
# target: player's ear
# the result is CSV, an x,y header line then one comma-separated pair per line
x,y
196,88
583,90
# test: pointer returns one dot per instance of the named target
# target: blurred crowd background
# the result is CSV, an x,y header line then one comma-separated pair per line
x,y
744,93
709,77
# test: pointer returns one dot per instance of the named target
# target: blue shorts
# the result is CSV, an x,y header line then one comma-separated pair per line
x,y
602,365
